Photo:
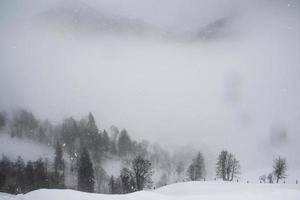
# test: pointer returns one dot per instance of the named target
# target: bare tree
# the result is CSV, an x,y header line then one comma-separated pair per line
x,y
142,171
233,168
228,166
280,168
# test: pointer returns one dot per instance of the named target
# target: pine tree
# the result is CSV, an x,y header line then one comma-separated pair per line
x,y
90,137
115,186
5,172
20,175
41,178
24,124
29,177
91,132
124,143
196,170
127,179
221,164
59,168
111,185
2,119
101,179
85,172
105,141
69,133
92,127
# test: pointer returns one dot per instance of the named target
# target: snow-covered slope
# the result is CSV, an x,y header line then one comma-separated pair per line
x,y
187,191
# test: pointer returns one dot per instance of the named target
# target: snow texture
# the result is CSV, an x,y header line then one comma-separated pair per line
x,y
187,191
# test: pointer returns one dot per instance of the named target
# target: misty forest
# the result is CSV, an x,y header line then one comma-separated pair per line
x,y
149,99
80,148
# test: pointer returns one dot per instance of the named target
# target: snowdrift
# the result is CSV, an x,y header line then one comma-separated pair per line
x,y
181,191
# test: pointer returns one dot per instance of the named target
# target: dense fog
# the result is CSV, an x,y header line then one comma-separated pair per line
x,y
205,74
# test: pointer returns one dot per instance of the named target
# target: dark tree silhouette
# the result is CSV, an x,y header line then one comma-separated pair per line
x,y
20,175
142,171
127,178
115,186
105,141
3,119
24,124
90,133
124,143
69,133
196,170
280,168
59,167
85,172
29,175
5,171
228,166
41,178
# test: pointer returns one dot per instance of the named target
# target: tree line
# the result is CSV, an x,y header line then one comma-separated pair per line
x,y
20,177
81,148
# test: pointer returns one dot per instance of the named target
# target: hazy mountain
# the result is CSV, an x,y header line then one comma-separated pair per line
x,y
80,17
216,29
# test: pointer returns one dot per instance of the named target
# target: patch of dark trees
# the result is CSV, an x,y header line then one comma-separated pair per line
x,y
20,177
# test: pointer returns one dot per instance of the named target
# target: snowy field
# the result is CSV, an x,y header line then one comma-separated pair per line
x,y
186,191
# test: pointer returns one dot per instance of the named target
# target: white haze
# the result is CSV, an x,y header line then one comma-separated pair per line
x,y
28,150
163,84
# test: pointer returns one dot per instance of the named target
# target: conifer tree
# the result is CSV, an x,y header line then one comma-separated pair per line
x,y
41,178
85,172
124,143
196,170
128,183
59,168
29,176
20,175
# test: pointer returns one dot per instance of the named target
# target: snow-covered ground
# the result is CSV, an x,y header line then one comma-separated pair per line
x,y
4,196
187,191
